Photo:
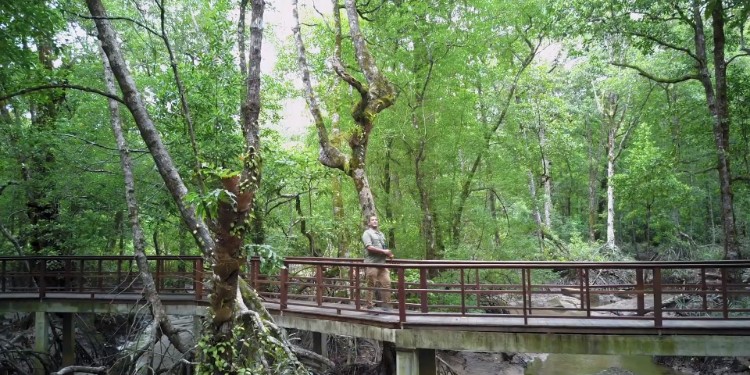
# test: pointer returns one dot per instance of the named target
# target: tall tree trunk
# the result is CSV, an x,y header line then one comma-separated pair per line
x,y
227,303
374,96
492,207
535,211
716,92
387,182
593,184
161,321
613,111
361,182
488,136
41,207
611,137
546,176
150,135
338,198
718,106
431,236
433,244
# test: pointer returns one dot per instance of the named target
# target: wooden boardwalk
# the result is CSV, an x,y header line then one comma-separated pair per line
x,y
458,295
513,323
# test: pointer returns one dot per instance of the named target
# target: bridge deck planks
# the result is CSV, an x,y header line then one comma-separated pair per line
x,y
496,322
414,319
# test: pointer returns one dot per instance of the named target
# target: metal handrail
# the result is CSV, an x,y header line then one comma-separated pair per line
x,y
730,300
91,275
422,288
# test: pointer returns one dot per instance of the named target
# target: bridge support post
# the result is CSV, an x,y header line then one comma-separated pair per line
x,y
68,340
427,363
415,361
320,343
41,340
197,328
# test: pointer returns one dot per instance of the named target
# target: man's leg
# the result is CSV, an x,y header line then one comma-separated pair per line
x,y
384,279
370,278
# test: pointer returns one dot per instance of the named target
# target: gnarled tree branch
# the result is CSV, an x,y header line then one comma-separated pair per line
x,y
53,86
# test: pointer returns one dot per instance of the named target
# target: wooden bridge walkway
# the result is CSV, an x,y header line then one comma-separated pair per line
x,y
653,297
645,308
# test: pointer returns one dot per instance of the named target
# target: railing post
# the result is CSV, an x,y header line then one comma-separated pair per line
x,y
198,278
2,274
657,297
724,294
284,287
401,296
42,278
581,290
68,276
463,291
704,289
100,275
158,274
352,279
319,284
119,271
357,290
423,292
526,299
640,291
255,272
477,288
587,289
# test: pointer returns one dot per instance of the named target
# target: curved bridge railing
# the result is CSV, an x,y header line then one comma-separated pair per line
x,y
654,292
650,291
96,275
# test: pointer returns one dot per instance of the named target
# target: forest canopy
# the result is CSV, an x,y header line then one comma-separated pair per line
x,y
501,130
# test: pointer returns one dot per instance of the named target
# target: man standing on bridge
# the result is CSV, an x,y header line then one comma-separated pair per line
x,y
376,253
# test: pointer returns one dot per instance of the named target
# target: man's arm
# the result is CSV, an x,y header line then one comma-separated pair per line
x,y
374,249
378,250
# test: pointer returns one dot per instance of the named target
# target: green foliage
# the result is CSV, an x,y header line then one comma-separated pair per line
x,y
254,350
270,261
649,187
454,65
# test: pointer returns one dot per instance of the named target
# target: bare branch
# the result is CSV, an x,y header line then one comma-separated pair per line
x,y
336,62
747,53
86,369
9,183
665,44
633,123
329,156
53,86
140,24
92,143
652,77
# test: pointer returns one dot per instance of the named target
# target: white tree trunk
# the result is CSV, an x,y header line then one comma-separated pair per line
x,y
611,189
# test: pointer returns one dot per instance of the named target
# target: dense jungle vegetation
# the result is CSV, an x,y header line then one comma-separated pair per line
x,y
488,130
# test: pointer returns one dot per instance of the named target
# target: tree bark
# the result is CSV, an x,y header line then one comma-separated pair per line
x,y
139,239
338,198
546,175
593,184
488,135
718,106
492,207
376,95
41,207
227,303
388,178
716,92
611,137
535,211
149,133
